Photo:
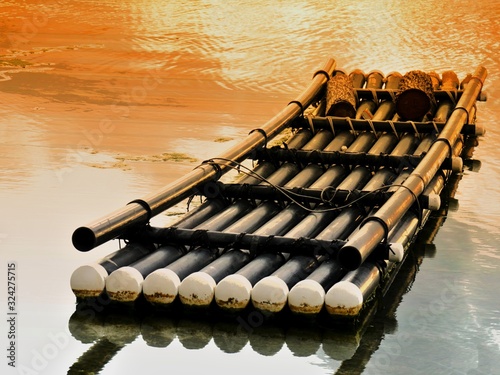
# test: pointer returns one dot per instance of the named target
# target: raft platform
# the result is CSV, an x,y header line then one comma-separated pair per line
x,y
324,203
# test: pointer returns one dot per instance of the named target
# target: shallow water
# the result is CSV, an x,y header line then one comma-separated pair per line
x,y
93,93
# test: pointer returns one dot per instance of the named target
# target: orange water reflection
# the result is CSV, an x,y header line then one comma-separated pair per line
x,y
91,91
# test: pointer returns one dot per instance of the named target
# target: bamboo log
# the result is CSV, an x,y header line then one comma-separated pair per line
x,y
358,78
347,297
270,294
375,80
198,288
90,280
436,80
393,81
140,211
340,96
450,81
233,292
307,296
416,97
353,254
367,107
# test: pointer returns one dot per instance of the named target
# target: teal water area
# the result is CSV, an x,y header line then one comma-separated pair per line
x,y
94,93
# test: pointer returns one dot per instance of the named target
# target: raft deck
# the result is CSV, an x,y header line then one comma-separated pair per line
x,y
316,224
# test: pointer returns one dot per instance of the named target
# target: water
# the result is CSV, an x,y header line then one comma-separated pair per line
x,y
94,92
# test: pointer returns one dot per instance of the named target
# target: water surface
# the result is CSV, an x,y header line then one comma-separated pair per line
x,y
93,93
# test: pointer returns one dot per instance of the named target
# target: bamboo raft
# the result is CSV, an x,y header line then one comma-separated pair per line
x,y
316,225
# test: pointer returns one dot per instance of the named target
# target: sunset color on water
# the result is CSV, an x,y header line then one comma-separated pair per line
x,y
103,102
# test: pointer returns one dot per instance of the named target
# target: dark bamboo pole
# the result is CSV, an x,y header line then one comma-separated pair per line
x,y
162,285
89,280
307,296
198,288
140,211
270,294
359,247
126,283
342,124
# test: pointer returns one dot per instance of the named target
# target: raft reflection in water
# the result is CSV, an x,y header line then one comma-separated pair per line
x,y
351,343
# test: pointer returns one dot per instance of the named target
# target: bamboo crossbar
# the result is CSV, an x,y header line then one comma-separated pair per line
x,y
399,127
329,197
388,94
255,243
304,157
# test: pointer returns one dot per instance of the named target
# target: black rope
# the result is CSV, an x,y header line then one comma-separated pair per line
x,y
144,205
261,131
419,208
463,109
215,166
200,237
381,266
301,106
447,142
324,72
384,225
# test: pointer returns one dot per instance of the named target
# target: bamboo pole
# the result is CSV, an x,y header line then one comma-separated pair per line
x,y
198,288
140,211
270,294
162,285
375,229
126,283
